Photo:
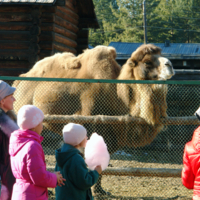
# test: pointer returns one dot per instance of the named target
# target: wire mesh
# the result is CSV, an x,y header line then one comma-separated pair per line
x,y
133,141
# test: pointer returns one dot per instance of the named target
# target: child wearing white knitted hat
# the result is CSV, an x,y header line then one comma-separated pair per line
x,y
27,157
72,166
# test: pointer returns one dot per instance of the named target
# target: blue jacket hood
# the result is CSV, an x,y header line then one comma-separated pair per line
x,y
65,153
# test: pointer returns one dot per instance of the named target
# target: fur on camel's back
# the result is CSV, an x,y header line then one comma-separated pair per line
x,y
145,101
97,63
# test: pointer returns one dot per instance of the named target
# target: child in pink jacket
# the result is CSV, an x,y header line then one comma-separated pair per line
x,y
27,158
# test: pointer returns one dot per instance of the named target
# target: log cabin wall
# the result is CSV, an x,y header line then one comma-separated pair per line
x,y
58,30
87,19
31,31
82,40
19,30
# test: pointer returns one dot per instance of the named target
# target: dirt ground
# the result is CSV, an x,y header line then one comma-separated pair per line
x,y
138,188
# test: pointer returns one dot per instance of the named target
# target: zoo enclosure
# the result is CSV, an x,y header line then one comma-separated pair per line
x,y
163,157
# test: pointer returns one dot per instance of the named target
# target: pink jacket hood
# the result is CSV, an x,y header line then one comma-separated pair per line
x,y
20,138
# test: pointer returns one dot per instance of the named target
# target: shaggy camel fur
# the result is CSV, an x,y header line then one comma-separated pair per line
x,y
147,101
98,63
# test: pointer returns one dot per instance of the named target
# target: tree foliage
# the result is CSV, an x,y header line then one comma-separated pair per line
x,y
122,20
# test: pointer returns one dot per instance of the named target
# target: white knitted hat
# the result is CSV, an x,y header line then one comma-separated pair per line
x,y
29,117
73,134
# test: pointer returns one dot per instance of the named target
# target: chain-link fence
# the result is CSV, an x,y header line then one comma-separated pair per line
x,y
145,127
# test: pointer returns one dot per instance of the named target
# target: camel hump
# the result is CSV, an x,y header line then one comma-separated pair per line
x,y
112,51
66,59
101,50
72,62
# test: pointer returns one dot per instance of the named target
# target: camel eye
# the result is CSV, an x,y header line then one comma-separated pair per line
x,y
168,65
147,63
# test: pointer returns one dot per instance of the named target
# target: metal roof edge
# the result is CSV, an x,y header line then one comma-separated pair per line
x,y
174,56
29,3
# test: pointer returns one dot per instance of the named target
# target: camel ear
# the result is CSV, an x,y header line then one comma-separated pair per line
x,y
131,63
73,63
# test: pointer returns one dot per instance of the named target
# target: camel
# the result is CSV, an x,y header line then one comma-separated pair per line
x,y
146,101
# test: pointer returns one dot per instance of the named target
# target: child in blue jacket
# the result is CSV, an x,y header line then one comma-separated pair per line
x,y
72,166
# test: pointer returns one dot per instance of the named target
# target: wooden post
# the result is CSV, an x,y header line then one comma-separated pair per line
x,y
141,172
150,172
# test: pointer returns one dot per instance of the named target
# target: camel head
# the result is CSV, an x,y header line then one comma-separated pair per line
x,y
146,63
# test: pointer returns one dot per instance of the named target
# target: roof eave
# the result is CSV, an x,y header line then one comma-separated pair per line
x,y
169,56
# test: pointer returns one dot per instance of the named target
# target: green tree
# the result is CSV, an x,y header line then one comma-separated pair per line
x,y
172,20
129,24
104,15
119,20
122,20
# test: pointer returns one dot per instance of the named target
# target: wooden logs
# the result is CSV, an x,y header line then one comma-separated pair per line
x,y
64,40
62,47
148,172
16,36
64,15
19,30
27,30
58,29
65,24
140,172
13,68
65,32
99,119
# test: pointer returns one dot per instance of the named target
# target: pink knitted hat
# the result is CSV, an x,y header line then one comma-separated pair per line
x,y
74,134
29,116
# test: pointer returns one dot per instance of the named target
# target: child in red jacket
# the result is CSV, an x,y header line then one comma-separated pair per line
x,y
191,163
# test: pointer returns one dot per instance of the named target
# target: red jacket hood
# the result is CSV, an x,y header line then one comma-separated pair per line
x,y
196,139
20,137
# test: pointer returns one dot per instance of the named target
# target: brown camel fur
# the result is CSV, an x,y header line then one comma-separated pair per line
x,y
146,101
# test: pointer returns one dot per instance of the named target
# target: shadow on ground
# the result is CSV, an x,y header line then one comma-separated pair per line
x,y
150,155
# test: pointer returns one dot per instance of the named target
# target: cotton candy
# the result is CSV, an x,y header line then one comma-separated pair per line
x,y
96,152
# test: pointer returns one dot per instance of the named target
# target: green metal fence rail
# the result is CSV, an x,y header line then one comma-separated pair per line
x,y
150,170
172,82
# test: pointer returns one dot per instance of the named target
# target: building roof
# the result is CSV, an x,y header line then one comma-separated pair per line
x,y
87,16
173,51
24,2
90,47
